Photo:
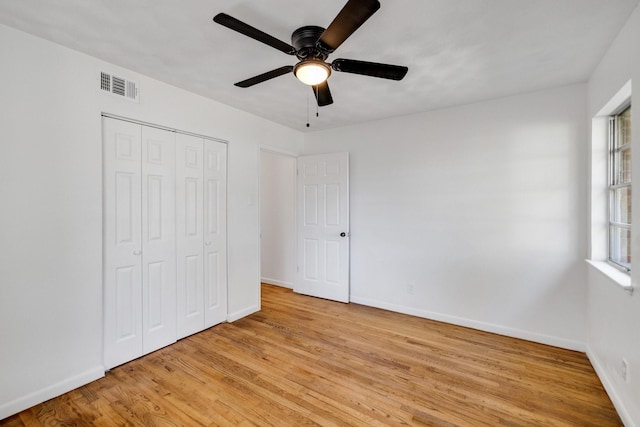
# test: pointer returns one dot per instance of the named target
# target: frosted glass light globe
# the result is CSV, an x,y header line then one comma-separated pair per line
x,y
312,72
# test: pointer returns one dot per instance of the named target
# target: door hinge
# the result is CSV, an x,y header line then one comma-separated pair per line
x,y
297,269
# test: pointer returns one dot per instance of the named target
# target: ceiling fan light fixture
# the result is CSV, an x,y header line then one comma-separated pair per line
x,y
312,72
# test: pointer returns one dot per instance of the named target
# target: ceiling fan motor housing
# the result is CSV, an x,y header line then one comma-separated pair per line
x,y
305,40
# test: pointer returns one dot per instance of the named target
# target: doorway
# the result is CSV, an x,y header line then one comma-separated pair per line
x,y
277,218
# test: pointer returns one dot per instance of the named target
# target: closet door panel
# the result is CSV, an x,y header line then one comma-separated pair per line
x,y
123,333
189,234
215,232
158,239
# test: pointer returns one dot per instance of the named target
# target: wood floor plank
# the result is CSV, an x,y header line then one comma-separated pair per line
x,y
307,361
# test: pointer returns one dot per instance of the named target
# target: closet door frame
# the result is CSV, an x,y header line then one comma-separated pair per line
x,y
142,251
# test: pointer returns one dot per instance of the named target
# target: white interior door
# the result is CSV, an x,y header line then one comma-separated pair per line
x,y
215,232
190,234
323,226
123,242
158,239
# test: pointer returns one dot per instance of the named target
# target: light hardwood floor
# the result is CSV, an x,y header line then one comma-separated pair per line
x,y
307,361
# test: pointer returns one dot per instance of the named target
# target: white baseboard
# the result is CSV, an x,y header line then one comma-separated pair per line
x,y
610,389
55,390
276,282
232,317
474,324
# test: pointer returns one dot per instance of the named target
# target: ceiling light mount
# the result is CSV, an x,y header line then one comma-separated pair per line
x,y
305,41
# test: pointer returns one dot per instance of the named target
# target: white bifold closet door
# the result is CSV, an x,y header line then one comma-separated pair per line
x,y
201,207
139,240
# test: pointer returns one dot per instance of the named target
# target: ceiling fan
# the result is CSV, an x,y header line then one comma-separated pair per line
x,y
312,45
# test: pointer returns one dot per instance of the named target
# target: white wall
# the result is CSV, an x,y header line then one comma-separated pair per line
x,y
474,215
51,215
277,218
614,314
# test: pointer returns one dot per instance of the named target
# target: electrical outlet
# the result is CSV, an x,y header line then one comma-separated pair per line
x,y
625,370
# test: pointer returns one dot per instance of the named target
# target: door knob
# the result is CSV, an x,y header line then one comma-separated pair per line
x,y
343,234
137,252
207,243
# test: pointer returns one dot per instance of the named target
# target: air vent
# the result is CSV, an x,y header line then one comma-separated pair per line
x,y
119,86
105,82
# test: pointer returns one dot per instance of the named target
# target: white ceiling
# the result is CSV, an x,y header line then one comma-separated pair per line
x,y
457,51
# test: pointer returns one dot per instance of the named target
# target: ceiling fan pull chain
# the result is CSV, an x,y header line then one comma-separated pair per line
x,y
308,109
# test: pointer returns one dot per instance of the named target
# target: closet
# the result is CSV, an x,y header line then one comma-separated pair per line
x,y
164,205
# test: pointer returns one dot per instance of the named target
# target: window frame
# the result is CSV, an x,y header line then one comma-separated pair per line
x,y
614,182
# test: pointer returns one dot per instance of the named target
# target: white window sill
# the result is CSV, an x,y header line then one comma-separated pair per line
x,y
619,277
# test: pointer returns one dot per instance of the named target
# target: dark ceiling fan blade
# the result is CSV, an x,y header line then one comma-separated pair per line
x,y
373,69
351,17
323,94
266,76
254,33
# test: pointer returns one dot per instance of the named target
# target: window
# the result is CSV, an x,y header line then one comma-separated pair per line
x,y
620,189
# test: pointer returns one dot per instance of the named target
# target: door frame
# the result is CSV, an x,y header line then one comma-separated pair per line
x,y
294,178
103,115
